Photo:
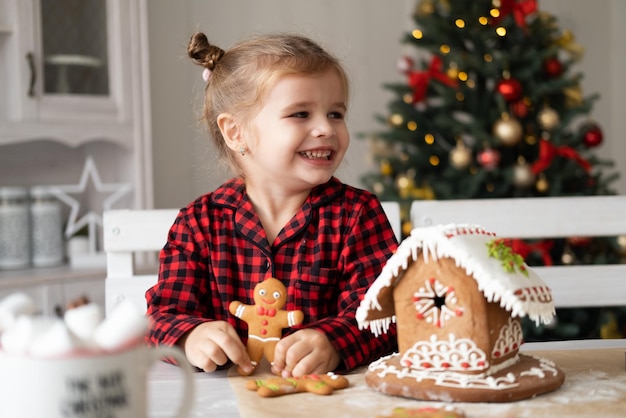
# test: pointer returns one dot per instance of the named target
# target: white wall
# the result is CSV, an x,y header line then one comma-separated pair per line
x,y
365,35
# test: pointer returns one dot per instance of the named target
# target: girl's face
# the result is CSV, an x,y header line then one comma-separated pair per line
x,y
299,136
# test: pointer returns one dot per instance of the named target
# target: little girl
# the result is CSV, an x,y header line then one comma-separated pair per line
x,y
275,107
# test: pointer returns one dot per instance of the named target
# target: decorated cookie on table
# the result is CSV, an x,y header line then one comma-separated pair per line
x,y
319,384
266,319
446,411
457,293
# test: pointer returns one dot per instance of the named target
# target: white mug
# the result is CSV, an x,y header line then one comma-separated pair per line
x,y
111,385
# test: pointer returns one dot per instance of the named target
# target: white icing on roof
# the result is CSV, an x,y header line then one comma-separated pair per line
x,y
520,294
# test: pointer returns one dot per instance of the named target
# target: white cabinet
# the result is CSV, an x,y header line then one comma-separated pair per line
x,y
74,83
72,70
75,73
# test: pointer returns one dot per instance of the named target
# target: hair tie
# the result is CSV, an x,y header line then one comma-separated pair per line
x,y
206,74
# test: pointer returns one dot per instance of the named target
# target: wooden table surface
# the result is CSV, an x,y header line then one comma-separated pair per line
x,y
595,385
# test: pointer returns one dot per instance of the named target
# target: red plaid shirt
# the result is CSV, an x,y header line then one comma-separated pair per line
x,y
327,256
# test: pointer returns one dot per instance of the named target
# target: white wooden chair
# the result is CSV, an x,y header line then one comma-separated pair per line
x,y
132,238
392,210
130,235
549,217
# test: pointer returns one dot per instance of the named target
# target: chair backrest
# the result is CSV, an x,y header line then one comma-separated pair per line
x,y
131,233
132,238
392,210
549,217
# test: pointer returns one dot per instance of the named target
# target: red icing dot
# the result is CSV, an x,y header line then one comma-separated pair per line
x,y
419,316
465,365
458,312
263,331
445,365
496,354
426,365
264,322
481,363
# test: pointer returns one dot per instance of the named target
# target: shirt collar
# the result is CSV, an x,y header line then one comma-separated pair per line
x,y
233,193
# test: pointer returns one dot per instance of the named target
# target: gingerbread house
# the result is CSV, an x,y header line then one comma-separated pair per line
x,y
457,293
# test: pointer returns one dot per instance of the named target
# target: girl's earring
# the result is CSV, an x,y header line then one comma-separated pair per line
x,y
242,151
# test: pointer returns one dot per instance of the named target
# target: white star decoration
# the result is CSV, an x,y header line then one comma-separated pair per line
x,y
92,218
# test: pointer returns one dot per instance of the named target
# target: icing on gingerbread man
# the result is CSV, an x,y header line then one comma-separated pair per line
x,y
313,383
265,319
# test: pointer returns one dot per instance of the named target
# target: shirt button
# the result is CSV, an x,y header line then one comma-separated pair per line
x,y
267,265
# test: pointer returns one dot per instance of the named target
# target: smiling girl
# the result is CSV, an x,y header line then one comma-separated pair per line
x,y
275,106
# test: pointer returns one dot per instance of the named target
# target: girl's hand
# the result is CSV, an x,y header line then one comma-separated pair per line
x,y
304,352
212,344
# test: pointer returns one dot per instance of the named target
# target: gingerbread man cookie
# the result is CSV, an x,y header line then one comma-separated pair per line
x,y
314,383
265,319
446,411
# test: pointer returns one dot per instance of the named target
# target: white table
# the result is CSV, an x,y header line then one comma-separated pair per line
x,y
214,396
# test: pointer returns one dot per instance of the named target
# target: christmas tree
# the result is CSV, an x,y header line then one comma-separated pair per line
x,y
494,108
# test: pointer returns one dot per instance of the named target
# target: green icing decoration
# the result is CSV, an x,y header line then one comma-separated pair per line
x,y
511,261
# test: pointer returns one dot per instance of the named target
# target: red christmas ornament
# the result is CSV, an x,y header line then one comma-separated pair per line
x,y
488,158
592,136
510,89
579,241
552,67
519,108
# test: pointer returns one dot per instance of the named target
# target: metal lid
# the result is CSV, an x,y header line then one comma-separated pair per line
x,y
13,192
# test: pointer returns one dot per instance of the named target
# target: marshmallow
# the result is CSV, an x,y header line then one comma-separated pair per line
x,y
124,325
83,320
14,305
25,329
56,341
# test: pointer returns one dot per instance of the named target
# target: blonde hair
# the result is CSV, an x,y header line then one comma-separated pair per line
x,y
239,77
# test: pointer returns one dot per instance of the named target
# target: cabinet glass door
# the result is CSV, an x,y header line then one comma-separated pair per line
x,y
74,42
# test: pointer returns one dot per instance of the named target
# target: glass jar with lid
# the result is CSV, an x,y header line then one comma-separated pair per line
x,y
46,228
14,228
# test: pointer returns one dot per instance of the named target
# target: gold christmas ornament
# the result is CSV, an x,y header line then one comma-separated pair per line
x,y
396,120
508,130
568,256
573,96
460,156
407,227
405,185
425,8
522,175
423,193
385,168
542,184
548,118
567,42
621,243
